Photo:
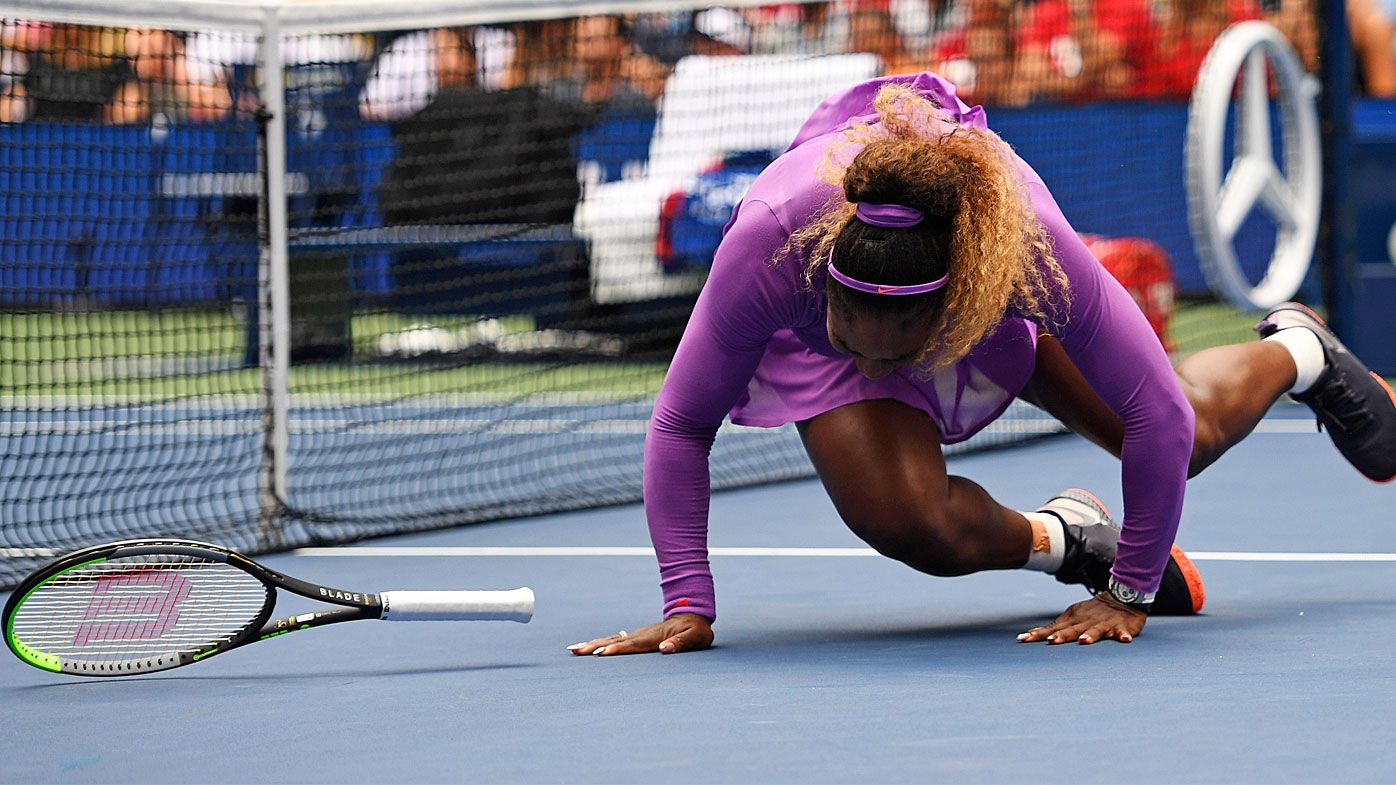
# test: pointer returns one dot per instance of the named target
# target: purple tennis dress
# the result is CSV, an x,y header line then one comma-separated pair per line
x,y
756,348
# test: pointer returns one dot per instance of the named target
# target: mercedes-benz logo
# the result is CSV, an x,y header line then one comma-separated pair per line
x,y
1287,189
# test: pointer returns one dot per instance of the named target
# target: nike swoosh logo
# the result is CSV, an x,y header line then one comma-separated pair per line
x,y
886,289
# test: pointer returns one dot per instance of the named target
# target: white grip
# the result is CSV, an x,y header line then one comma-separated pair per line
x,y
513,605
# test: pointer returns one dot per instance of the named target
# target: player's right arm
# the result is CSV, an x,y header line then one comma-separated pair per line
x,y
744,302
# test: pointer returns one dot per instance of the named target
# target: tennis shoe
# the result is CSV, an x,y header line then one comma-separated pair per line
x,y
1355,405
1181,592
1092,537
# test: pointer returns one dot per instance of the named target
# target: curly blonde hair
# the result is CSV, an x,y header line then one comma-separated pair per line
x,y
980,226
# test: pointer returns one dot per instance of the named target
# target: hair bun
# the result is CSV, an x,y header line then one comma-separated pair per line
x,y
911,172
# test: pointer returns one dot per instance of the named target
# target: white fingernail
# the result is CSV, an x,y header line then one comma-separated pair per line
x,y
601,650
576,646
1023,637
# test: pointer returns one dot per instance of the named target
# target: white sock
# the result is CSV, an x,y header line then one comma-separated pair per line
x,y
1048,542
1307,352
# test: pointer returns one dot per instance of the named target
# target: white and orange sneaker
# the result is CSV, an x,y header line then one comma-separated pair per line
x,y
1092,537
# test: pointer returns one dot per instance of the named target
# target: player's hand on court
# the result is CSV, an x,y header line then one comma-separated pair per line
x,y
1096,619
680,632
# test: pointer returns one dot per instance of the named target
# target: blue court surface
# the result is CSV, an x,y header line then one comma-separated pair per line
x,y
832,664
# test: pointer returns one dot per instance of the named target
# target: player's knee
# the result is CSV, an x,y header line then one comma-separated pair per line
x,y
1208,436
1207,445
1208,440
918,535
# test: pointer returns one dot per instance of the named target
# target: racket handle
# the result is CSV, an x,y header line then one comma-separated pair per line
x,y
513,605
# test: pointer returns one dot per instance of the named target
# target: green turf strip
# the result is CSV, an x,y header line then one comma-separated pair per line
x,y
151,356
142,356
1199,326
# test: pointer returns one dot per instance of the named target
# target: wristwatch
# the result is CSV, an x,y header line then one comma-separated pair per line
x,y
1134,598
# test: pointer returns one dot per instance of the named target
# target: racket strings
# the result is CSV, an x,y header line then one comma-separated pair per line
x,y
138,608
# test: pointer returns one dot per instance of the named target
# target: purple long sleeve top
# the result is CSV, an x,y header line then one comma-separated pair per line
x,y
754,316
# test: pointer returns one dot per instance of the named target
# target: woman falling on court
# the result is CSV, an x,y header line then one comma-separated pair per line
x,y
890,284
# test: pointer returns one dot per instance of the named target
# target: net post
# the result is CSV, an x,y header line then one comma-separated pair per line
x,y
1337,232
273,286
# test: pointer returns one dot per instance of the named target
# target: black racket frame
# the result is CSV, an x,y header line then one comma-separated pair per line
x,y
355,605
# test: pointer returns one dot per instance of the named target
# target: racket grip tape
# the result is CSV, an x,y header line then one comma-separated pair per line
x,y
512,605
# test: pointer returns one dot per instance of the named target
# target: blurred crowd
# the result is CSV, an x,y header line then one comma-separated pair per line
x,y
74,72
999,52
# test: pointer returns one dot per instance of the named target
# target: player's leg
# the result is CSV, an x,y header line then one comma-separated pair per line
x,y
1232,387
882,465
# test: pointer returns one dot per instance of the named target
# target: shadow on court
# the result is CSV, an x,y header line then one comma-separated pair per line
x,y
289,676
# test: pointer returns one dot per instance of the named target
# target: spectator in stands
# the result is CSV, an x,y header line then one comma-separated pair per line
x,y
720,32
670,36
415,67
833,28
325,73
979,58
921,23
1079,50
462,144
17,39
1297,21
1372,25
589,61
164,89
69,72
799,28
871,29
1187,29
606,68
541,55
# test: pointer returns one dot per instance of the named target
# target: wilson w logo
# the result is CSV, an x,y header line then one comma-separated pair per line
x,y
132,605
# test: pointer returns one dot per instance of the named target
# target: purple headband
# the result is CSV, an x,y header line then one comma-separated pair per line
x,y
877,288
888,216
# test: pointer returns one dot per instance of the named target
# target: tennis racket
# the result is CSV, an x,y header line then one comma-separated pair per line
x,y
140,606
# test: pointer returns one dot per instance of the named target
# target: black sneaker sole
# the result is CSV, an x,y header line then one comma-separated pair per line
x,y
1181,593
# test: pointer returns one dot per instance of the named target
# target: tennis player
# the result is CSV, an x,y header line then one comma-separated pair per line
x,y
890,284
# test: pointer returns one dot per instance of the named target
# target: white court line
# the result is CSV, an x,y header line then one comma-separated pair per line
x,y
1285,425
382,551
530,550
1266,556
20,553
